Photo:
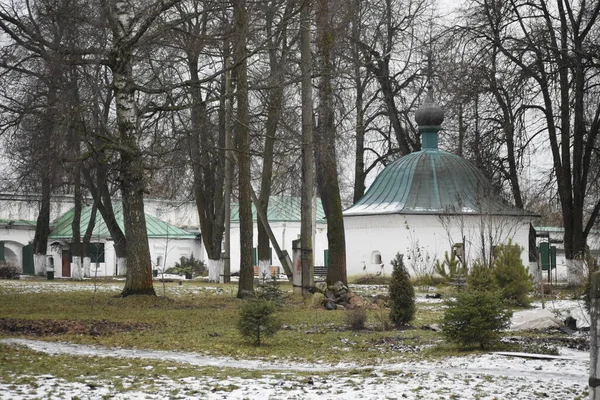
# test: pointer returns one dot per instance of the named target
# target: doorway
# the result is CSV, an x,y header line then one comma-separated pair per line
x,y
66,264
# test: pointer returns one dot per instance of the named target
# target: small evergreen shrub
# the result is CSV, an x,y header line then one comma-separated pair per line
x,y
475,318
428,280
8,271
402,294
189,265
451,269
482,278
257,320
356,318
514,280
271,291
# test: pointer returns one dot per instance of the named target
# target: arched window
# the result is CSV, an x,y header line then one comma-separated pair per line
x,y
376,257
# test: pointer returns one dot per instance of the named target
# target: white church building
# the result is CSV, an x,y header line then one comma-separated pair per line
x,y
429,203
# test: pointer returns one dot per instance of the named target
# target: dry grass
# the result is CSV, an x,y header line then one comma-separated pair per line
x,y
199,320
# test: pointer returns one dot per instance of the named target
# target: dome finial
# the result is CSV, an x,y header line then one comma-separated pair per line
x,y
429,116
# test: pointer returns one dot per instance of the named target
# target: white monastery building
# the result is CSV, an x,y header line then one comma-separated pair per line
x,y
429,203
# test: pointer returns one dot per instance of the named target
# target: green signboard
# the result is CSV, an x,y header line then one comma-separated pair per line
x,y
547,256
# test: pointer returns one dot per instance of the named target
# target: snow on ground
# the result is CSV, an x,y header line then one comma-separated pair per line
x,y
486,376
489,376
26,286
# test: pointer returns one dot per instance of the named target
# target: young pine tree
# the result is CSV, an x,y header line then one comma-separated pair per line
x,y
257,320
482,278
402,294
475,318
512,276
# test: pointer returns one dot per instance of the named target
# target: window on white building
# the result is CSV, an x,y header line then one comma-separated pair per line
x,y
376,257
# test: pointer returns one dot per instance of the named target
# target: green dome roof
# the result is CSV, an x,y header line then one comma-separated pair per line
x,y
432,181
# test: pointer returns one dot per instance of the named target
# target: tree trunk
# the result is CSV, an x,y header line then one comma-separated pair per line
x,y
359,154
207,155
139,265
76,253
308,168
325,152
42,230
242,135
102,199
87,237
138,279
226,105
274,105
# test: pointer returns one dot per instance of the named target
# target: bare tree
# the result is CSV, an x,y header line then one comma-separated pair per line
x,y
128,26
325,142
242,135
308,168
550,44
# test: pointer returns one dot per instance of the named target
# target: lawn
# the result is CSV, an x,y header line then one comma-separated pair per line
x,y
199,317
315,354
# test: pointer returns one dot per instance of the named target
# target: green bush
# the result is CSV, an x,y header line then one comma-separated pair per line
x,y
513,278
482,278
271,291
428,280
257,320
370,279
475,318
402,294
189,265
356,318
451,269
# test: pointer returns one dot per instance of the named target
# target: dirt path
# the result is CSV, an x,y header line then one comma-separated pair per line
x,y
572,368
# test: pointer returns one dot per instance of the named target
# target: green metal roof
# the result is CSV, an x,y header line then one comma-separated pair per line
x,y
432,181
155,227
17,222
281,209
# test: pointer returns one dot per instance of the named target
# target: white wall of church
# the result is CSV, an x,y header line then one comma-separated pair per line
x,y
285,232
373,241
165,253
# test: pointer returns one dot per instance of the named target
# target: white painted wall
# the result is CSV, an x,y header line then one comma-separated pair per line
x,y
423,239
15,237
168,252
17,234
285,232
26,207
175,249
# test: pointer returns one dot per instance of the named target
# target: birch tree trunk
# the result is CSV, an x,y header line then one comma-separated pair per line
x,y
139,266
